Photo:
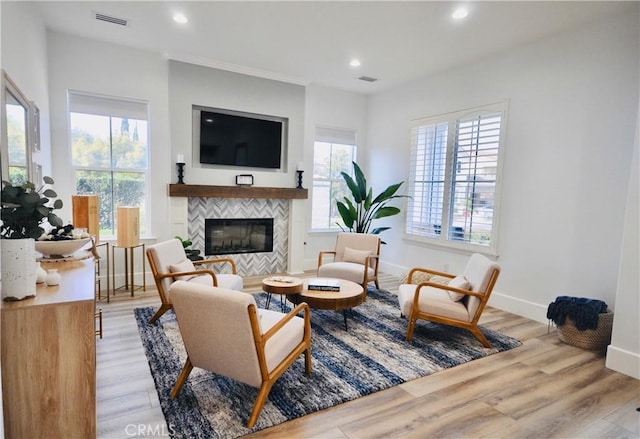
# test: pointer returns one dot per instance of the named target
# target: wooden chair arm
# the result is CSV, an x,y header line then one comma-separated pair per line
x,y
302,307
448,288
322,254
427,270
370,258
219,261
161,276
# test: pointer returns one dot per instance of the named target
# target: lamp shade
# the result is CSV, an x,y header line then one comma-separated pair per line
x,y
128,226
86,213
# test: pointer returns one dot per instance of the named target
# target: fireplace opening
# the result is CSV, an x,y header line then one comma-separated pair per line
x,y
241,235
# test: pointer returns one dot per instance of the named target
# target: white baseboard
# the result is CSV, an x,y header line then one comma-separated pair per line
x,y
392,269
524,308
623,361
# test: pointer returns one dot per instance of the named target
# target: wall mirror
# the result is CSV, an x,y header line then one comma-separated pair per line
x,y
18,132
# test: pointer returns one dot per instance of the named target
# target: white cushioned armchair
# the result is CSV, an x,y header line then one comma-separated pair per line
x,y
355,258
226,333
168,262
459,302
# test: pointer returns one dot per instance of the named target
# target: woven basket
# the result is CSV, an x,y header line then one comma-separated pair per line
x,y
596,339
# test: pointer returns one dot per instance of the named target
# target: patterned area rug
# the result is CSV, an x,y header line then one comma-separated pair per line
x,y
371,356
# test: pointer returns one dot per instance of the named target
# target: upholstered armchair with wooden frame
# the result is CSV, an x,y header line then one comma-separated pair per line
x,y
460,302
226,333
168,262
355,258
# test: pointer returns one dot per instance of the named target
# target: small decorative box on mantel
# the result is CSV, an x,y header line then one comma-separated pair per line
x,y
244,180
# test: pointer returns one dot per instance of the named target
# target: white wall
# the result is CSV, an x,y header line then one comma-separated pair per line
x,y
195,85
24,58
572,105
338,109
95,67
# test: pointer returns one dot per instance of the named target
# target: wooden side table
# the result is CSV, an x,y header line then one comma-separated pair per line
x,y
128,269
282,285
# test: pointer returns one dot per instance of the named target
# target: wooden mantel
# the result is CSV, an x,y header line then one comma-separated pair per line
x,y
205,191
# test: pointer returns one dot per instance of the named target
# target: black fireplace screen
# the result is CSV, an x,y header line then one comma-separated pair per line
x,y
242,235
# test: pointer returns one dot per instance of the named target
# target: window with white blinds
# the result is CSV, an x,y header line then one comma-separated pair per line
x,y
334,150
110,154
454,177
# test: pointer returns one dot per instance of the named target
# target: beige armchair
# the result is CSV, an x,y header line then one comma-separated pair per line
x,y
169,263
226,333
355,258
460,302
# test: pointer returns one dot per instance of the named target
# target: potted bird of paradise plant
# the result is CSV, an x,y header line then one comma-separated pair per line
x,y
362,209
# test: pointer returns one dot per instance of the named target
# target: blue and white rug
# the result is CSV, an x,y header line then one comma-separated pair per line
x,y
371,356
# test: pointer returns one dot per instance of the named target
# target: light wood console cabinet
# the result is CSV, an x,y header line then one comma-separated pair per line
x,y
49,358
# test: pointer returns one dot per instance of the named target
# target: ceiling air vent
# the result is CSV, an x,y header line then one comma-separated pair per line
x,y
368,79
110,19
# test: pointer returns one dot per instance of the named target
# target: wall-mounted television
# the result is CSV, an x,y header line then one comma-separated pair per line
x,y
235,138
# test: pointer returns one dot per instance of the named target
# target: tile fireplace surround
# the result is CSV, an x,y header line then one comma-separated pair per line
x,y
248,264
231,202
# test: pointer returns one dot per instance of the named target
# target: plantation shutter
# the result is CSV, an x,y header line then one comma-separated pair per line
x,y
454,176
474,177
427,179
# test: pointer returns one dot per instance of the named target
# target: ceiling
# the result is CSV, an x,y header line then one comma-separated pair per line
x,y
312,42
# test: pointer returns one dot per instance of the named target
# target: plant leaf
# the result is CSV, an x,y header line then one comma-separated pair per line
x,y
345,214
361,181
54,220
388,193
353,187
386,211
31,198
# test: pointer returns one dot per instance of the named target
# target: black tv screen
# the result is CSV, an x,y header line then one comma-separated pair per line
x,y
240,140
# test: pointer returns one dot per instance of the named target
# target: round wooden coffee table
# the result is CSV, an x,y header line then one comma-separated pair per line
x,y
282,285
350,295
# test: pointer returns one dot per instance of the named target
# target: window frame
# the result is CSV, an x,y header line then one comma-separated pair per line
x,y
452,119
86,100
333,136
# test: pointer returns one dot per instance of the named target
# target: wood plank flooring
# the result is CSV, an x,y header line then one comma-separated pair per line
x,y
542,389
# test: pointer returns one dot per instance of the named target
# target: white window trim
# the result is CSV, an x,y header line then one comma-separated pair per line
x,y
458,246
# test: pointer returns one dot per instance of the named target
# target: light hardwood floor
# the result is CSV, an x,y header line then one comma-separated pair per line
x,y
542,389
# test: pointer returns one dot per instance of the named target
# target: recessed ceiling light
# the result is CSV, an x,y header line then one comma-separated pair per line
x,y
460,13
355,63
180,18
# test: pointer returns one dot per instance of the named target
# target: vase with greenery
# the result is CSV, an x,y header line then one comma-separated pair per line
x,y
363,208
24,210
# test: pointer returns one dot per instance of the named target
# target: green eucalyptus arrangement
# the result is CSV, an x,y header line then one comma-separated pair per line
x,y
25,208
358,213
